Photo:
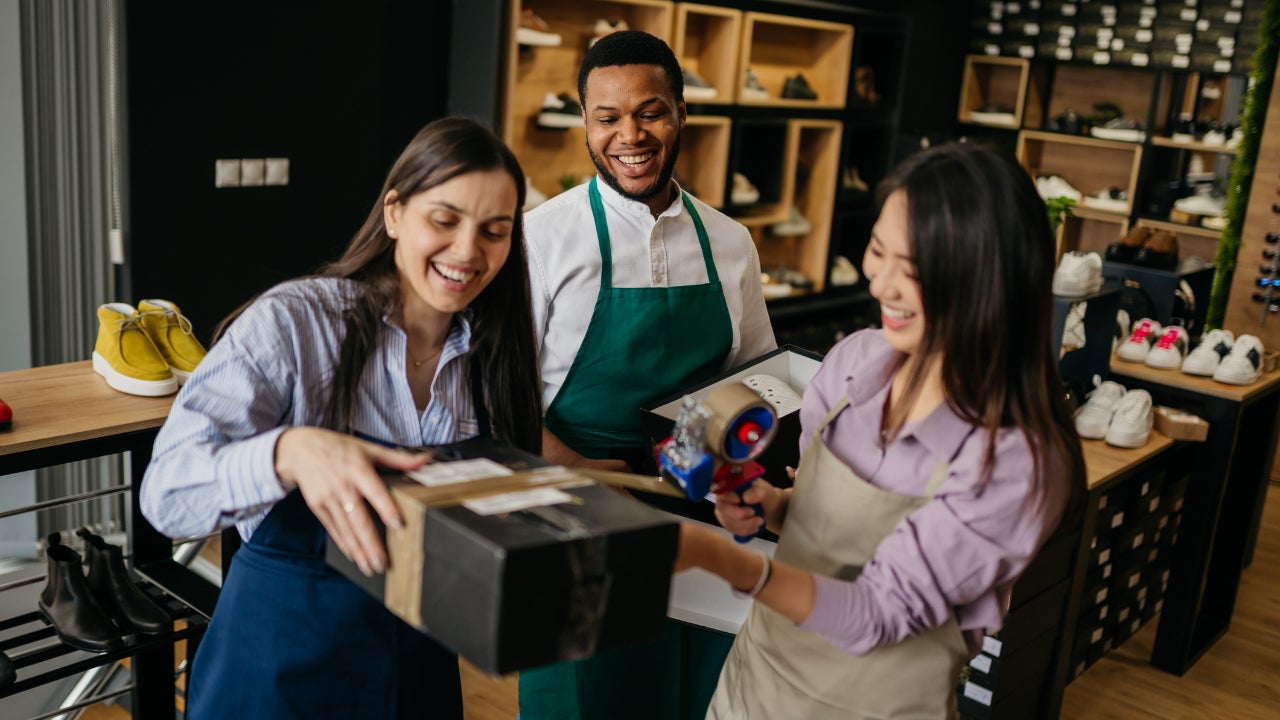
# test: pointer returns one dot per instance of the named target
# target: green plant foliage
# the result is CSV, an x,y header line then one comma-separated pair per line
x,y
1058,208
1253,116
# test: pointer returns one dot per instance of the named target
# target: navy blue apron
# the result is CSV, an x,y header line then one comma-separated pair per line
x,y
292,638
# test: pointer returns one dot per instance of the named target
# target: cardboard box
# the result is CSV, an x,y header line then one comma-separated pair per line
x,y
792,365
1179,425
581,569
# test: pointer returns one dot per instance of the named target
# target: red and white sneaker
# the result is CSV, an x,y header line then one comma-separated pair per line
x,y
6,416
1169,350
1145,333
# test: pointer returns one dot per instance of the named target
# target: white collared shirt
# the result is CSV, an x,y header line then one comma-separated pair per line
x,y
564,270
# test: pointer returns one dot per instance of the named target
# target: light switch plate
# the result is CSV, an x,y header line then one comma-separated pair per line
x,y
226,173
252,172
277,171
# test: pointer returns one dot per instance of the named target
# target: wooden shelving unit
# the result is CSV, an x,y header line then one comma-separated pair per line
x,y
705,40
1003,81
704,154
1089,164
779,46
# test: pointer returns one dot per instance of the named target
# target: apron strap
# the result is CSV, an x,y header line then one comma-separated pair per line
x,y
832,413
935,478
602,236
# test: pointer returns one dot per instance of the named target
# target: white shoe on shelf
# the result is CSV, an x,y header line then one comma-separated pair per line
x,y
1094,417
1242,365
743,192
1205,358
1169,350
1078,274
794,225
1131,424
1122,329
1145,333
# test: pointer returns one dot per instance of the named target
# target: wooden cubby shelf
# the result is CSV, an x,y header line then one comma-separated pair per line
x,y
705,40
999,81
1090,165
777,47
704,154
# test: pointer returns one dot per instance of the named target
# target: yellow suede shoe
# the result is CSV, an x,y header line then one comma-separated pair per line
x,y
170,330
126,358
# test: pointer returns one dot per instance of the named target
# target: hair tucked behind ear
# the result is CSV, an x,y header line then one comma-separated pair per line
x,y
984,256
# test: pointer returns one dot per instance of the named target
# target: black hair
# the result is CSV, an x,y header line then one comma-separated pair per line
x,y
984,257
631,47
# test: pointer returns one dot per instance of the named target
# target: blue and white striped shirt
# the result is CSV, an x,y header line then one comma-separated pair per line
x,y
214,459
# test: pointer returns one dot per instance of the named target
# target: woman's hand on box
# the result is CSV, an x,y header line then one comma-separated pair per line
x,y
337,474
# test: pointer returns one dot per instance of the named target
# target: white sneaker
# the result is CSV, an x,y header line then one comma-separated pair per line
x,y
1131,424
1052,186
1073,327
1122,328
1200,204
1078,274
1094,417
560,111
843,273
1169,350
784,399
1145,333
794,225
743,192
1205,357
1242,365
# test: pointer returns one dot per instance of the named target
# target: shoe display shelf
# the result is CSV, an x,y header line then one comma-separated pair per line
x,y
1094,583
778,47
704,154
999,92
797,163
1229,476
1129,542
705,40
554,157
67,413
1089,164
1091,358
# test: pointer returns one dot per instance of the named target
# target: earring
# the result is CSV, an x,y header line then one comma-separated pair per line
x,y
391,233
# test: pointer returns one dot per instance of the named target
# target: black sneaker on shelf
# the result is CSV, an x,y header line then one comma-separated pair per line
x,y
560,112
797,88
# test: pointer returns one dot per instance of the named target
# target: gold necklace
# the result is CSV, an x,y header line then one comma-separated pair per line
x,y
418,363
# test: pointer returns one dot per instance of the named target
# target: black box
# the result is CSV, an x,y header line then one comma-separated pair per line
x,y
525,587
792,365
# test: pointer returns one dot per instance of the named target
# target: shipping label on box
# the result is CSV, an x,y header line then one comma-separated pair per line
x,y
515,563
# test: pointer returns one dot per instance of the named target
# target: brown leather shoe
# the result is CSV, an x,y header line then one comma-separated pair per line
x,y
1128,247
1159,251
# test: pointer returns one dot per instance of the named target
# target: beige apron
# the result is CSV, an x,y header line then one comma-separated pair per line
x,y
776,670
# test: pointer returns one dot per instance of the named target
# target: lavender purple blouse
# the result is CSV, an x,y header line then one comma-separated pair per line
x,y
959,553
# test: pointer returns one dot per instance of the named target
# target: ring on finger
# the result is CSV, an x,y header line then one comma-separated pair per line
x,y
348,507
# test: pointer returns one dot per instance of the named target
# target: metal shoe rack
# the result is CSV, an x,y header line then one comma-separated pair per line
x,y
64,413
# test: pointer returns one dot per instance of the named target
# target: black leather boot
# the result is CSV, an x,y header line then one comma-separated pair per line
x,y
68,604
115,591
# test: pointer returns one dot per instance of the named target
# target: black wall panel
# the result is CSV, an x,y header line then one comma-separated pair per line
x,y
338,88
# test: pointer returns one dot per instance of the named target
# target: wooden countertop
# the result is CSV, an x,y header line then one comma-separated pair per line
x,y
1103,462
59,404
1194,383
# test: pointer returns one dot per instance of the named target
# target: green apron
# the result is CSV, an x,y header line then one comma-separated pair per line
x,y
641,344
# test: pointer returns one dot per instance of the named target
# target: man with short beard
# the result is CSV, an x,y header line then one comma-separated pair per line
x,y
639,291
